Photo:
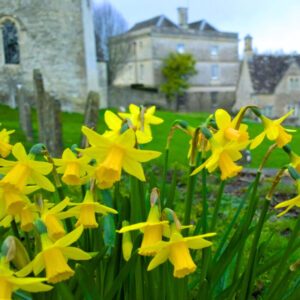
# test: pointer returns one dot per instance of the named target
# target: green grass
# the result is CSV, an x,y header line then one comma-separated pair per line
x,y
179,147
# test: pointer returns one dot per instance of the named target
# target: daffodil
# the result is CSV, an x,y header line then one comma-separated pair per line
x,y
295,161
75,170
177,251
227,127
50,216
5,146
290,203
152,229
274,132
25,170
142,121
54,256
223,156
85,212
113,155
9,282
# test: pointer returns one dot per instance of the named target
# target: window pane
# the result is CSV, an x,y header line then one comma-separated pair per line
x,y
214,71
180,48
214,50
10,43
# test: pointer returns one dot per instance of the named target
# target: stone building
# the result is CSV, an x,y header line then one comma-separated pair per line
x,y
151,41
56,37
270,81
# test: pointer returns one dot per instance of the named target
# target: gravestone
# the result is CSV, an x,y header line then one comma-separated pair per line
x,y
49,117
24,113
91,114
40,101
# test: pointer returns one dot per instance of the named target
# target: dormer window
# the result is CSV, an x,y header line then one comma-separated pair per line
x,y
180,48
214,50
294,82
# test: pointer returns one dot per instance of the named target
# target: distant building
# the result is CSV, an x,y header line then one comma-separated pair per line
x,y
151,42
54,36
270,81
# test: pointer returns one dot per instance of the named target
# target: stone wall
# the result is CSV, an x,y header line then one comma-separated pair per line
x,y
51,39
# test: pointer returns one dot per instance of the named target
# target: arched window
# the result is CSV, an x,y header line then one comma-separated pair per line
x,y
10,43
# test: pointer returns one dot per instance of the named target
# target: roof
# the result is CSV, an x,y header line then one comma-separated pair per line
x,y
267,70
202,25
159,21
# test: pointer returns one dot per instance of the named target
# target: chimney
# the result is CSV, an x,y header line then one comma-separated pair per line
x,y
183,17
248,53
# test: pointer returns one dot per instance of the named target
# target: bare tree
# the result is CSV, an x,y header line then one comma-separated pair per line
x,y
109,23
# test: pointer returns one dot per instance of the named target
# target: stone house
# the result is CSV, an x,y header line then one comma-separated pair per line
x,y
270,81
150,42
56,37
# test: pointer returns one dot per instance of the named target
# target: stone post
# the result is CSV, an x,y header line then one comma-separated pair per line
x,y
40,101
24,113
57,140
91,114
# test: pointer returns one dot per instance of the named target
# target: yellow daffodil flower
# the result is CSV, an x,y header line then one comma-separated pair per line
x,y
295,161
227,126
274,132
51,218
142,122
177,251
85,212
113,155
223,157
19,173
290,203
5,147
9,282
54,257
75,170
152,229
126,242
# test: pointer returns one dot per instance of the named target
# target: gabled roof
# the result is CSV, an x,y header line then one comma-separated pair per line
x,y
159,21
267,70
202,25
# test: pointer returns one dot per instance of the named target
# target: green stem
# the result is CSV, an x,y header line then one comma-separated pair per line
x,y
141,191
284,258
134,204
15,229
217,206
248,278
27,242
189,199
204,200
164,179
171,196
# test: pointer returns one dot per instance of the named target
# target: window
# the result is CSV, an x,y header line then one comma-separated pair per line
x,y
214,99
268,111
141,44
293,107
214,50
10,43
214,72
180,48
141,71
294,82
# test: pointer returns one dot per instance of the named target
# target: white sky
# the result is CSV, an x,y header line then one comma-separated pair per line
x,y
273,24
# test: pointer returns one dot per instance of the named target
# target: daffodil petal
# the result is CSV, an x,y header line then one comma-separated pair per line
x,y
133,168
19,152
60,206
70,238
68,154
223,118
279,121
159,258
38,264
257,140
42,181
26,270
75,253
6,163
127,139
94,138
41,167
272,133
102,209
134,109
198,242
142,155
133,227
31,284
112,121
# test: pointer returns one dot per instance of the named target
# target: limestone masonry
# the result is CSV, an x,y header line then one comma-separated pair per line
x,y
57,37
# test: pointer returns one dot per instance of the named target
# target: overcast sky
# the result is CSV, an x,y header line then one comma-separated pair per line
x,y
273,24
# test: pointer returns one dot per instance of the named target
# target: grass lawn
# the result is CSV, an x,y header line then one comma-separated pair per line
x,y
179,146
